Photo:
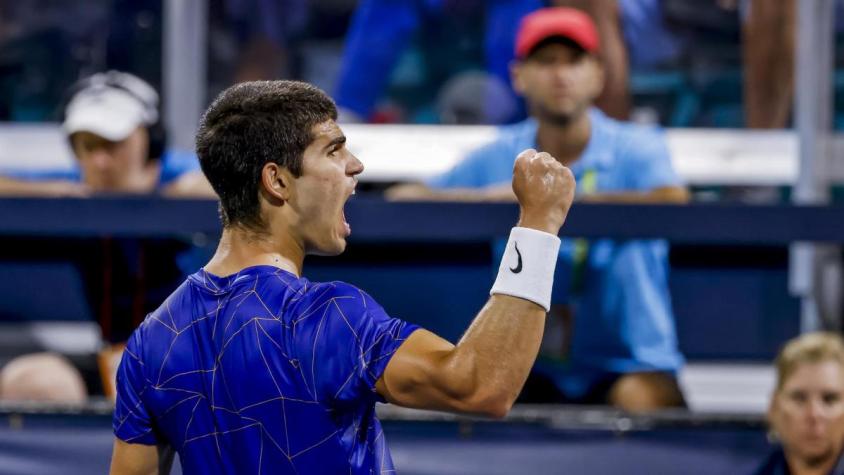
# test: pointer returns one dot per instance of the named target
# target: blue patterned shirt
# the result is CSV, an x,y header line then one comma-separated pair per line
x,y
260,372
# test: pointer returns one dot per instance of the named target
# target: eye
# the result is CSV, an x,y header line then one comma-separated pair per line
x,y
831,398
798,396
545,60
335,150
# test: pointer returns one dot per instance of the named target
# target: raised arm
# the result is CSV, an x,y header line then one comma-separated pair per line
x,y
486,370
47,188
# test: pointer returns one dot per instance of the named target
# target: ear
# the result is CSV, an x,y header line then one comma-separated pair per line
x,y
771,413
599,77
276,181
517,77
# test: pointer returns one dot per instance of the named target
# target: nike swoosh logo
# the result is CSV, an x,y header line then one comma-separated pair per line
x,y
518,267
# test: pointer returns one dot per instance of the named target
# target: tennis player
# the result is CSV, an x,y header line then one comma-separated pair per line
x,y
250,368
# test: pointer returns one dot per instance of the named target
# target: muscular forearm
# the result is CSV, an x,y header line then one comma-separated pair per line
x,y
497,352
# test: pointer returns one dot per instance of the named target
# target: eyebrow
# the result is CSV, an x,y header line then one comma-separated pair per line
x,y
335,141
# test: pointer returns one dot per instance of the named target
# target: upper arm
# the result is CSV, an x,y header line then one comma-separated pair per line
x,y
418,375
133,459
132,422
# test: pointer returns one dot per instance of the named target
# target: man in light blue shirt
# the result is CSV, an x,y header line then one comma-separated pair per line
x,y
623,342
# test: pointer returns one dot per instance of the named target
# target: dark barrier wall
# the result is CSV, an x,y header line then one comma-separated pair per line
x,y
81,444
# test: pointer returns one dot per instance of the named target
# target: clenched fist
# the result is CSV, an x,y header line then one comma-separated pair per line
x,y
545,190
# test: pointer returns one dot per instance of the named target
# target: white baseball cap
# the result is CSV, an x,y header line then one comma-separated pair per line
x,y
111,105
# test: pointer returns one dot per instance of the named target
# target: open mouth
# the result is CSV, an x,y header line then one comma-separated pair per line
x,y
347,228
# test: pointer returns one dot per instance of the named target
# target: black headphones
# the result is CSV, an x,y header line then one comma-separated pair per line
x,y
135,87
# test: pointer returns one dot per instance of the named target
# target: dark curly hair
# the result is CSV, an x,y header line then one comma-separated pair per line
x,y
249,125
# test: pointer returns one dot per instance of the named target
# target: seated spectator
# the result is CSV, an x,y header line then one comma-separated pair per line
x,y
113,124
623,342
42,377
806,414
381,31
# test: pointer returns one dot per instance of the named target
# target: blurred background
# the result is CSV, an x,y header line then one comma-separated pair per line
x,y
745,94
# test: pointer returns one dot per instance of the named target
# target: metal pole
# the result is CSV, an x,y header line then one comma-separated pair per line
x,y
184,56
813,112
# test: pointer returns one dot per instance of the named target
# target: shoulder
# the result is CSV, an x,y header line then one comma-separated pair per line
x,y
509,141
336,292
773,464
175,163
630,140
513,138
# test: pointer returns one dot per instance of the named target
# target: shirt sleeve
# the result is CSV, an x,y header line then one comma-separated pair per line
x,y
471,172
647,161
176,163
131,421
344,343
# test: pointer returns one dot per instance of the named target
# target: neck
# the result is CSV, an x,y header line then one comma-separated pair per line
x,y
240,248
802,466
565,142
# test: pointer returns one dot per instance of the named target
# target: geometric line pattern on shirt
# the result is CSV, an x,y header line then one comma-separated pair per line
x,y
320,308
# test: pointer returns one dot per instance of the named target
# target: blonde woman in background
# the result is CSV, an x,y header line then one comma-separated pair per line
x,y
806,414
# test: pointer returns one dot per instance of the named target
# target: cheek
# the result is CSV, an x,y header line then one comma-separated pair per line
x,y
836,417
130,159
786,418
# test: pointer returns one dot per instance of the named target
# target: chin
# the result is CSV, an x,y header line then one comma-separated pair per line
x,y
816,453
329,249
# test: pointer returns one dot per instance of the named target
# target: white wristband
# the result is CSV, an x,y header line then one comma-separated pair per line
x,y
527,267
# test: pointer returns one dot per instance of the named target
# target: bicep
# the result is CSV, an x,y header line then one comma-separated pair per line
x,y
419,375
133,459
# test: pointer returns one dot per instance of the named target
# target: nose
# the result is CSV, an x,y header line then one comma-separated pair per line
x,y
100,158
563,73
815,410
355,166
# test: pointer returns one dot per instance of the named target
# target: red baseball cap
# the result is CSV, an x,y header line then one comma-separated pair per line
x,y
556,21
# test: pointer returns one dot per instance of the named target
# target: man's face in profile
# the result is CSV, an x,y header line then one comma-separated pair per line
x,y
116,167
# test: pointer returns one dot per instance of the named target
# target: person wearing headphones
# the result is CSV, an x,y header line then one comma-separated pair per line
x,y
114,128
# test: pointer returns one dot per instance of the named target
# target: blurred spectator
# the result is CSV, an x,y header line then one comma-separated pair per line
x,y
259,33
382,30
770,35
114,127
42,377
649,32
806,414
623,343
